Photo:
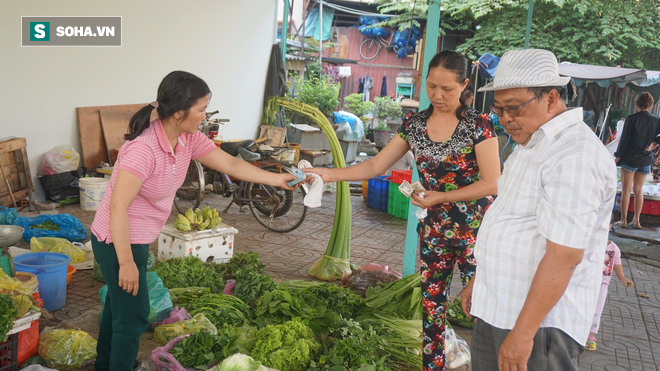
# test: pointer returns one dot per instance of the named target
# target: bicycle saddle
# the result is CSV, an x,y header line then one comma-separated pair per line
x,y
232,147
247,155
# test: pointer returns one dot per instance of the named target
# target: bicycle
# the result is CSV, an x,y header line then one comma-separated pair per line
x,y
275,208
370,47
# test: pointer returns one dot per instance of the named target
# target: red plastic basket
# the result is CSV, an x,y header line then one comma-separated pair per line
x,y
8,353
398,176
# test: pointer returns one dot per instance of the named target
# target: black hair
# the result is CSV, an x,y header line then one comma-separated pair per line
x,y
178,91
561,90
459,64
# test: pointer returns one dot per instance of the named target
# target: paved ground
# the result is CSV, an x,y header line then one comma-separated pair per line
x,y
629,338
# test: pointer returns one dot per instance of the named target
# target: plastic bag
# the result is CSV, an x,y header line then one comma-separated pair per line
x,y
457,352
60,245
22,303
369,275
8,216
63,187
160,303
13,285
165,333
65,349
68,227
59,159
164,360
177,314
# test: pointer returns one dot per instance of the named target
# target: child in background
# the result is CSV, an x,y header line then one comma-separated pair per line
x,y
612,262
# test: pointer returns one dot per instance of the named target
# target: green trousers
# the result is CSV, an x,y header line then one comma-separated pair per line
x,y
125,317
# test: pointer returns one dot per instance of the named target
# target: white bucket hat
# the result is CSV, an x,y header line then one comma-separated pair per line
x,y
527,68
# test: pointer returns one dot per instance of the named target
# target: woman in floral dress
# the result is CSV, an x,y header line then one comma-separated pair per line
x,y
456,156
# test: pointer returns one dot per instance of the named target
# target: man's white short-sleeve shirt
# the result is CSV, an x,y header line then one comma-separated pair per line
x,y
560,186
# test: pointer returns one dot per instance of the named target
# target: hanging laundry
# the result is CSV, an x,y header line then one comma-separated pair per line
x,y
368,85
361,86
383,87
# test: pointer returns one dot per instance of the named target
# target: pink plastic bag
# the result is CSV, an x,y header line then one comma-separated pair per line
x,y
164,360
373,267
228,287
176,314
369,275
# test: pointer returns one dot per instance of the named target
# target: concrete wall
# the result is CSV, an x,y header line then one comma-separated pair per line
x,y
227,43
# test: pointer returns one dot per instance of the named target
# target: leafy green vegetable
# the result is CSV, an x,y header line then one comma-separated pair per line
x,y
402,297
240,362
7,315
202,350
221,309
246,336
246,262
189,272
48,225
328,302
456,316
278,306
287,347
353,346
250,287
182,296
401,338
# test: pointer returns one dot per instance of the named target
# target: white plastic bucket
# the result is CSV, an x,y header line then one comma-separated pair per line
x,y
92,191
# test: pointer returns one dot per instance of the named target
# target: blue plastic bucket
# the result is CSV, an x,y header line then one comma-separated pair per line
x,y
51,269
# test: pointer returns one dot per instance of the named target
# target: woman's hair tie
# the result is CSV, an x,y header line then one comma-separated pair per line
x,y
154,104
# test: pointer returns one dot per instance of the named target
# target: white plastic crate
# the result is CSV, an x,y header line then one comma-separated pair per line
x,y
217,242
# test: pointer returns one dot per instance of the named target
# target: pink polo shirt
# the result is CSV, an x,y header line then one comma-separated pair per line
x,y
162,171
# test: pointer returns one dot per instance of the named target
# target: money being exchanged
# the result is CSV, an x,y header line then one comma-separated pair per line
x,y
407,189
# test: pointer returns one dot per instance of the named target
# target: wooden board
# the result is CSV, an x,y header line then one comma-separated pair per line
x,y
274,133
14,162
114,125
92,144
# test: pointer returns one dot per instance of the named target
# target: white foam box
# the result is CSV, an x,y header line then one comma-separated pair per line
x,y
217,242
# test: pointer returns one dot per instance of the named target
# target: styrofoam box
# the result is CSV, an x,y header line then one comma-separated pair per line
x,y
24,322
217,242
404,80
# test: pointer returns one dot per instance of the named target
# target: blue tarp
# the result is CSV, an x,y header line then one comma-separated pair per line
x,y
312,23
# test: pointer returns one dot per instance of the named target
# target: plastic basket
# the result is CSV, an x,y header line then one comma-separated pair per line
x,y
377,192
397,203
9,353
398,176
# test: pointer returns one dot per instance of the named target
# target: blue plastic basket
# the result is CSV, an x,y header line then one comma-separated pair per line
x,y
378,192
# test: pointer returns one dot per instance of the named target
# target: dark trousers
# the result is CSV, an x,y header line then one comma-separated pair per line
x,y
124,317
553,349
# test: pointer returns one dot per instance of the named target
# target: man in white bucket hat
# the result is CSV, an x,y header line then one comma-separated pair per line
x,y
541,244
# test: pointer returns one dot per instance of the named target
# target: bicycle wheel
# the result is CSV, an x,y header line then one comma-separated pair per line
x,y
369,48
191,192
286,207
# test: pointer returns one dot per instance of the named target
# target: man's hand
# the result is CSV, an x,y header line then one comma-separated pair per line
x,y
514,353
466,298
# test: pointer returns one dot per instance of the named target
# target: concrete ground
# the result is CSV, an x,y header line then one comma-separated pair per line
x,y
630,333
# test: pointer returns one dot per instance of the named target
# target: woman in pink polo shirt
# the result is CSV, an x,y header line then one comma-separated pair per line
x,y
149,169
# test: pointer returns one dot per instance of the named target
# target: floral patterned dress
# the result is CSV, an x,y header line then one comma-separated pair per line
x,y
448,234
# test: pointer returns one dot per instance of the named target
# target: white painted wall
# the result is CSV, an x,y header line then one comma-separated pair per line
x,y
226,43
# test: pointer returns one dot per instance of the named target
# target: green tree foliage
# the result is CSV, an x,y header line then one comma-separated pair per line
x,y
601,32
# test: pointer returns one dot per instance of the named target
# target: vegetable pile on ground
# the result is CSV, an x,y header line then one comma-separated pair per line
x,y
293,325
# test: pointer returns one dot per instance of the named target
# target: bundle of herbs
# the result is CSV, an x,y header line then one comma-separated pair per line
x,y
202,350
221,309
402,298
189,272
7,315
